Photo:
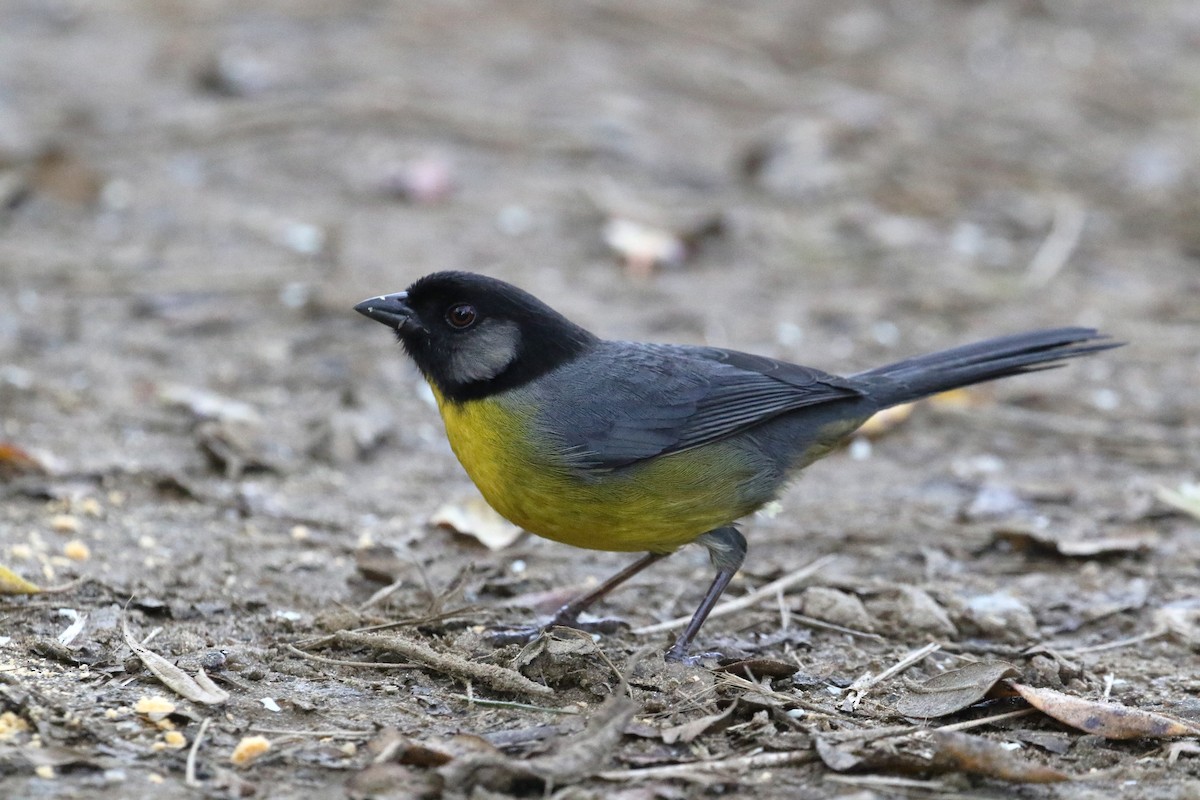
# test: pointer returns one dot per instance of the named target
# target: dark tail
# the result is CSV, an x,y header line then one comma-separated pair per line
x,y
922,376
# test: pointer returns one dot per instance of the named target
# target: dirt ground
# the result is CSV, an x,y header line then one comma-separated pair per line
x,y
200,440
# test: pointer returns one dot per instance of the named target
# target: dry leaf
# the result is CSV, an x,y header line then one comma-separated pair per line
x,y
201,689
1186,498
643,247
12,583
475,518
1182,619
1071,545
1110,720
690,731
933,751
14,461
976,755
886,420
1177,749
954,690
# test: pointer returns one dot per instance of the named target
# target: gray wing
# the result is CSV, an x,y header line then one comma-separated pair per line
x,y
627,402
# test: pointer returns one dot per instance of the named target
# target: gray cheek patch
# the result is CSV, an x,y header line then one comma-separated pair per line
x,y
485,352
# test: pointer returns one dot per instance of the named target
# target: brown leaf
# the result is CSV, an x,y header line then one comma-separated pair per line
x,y
393,780
1110,720
380,563
976,755
14,461
438,753
1070,544
66,176
954,690
927,752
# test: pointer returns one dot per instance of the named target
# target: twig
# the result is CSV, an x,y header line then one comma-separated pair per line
x,y
975,723
1059,243
813,622
746,601
62,588
320,641
334,734
860,687
382,594
498,678
697,769
737,681
345,662
479,701
1119,643
190,773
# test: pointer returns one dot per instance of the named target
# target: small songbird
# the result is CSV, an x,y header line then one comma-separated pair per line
x,y
626,446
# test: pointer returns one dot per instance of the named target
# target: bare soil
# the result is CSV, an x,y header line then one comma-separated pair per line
x,y
228,458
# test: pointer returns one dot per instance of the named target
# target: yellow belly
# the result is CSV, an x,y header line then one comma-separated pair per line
x,y
656,507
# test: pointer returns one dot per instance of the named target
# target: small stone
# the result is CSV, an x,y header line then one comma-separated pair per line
x,y
64,523
837,607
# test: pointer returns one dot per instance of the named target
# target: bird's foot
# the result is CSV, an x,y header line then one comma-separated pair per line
x,y
523,634
680,656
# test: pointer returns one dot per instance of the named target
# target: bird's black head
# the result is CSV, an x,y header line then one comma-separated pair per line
x,y
473,336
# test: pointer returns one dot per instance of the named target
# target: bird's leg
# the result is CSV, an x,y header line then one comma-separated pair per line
x,y
568,615
727,550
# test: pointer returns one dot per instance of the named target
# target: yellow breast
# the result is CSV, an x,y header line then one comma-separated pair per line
x,y
657,506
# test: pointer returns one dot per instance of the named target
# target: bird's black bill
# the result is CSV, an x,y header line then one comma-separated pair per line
x,y
389,309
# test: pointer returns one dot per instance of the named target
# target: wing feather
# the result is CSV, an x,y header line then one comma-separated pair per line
x,y
628,402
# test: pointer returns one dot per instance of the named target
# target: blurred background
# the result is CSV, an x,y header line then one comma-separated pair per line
x,y
194,193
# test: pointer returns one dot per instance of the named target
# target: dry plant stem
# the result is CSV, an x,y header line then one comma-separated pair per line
x,y
975,723
332,734
492,676
737,681
342,662
478,701
381,595
821,624
1059,244
753,598
190,773
696,769
861,686
1115,645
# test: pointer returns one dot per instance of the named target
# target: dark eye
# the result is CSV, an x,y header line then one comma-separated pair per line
x,y
461,315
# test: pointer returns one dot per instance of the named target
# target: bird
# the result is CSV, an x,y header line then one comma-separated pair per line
x,y
644,447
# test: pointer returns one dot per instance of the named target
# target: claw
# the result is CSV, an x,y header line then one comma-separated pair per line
x,y
679,655
519,635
